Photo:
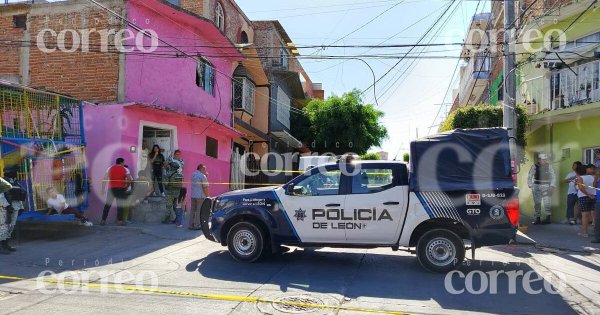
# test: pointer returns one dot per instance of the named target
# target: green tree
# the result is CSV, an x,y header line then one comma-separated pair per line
x,y
483,116
370,156
339,125
406,157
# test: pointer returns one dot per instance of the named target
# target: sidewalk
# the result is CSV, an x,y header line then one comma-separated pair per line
x,y
562,236
37,230
570,257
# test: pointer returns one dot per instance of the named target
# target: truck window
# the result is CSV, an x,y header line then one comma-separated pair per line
x,y
370,181
319,184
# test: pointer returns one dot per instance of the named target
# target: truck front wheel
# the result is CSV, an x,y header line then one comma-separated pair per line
x,y
440,250
245,242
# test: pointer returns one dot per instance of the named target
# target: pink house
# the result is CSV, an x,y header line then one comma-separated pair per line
x,y
179,98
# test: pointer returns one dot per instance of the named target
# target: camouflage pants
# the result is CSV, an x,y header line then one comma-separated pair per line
x,y
541,196
172,190
7,224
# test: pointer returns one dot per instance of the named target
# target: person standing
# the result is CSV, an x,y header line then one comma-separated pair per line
x,y
118,179
587,195
174,180
542,181
157,162
180,208
597,160
199,193
597,207
570,179
11,202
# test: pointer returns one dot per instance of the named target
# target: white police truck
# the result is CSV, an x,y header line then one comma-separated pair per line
x,y
459,191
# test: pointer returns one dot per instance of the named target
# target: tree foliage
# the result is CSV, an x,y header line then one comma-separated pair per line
x,y
483,116
339,125
406,157
370,156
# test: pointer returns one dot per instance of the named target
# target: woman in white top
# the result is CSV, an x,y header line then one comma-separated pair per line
x,y
587,197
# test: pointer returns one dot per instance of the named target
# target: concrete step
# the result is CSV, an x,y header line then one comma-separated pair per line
x,y
151,210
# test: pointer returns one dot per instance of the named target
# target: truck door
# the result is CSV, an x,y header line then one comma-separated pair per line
x,y
314,204
377,201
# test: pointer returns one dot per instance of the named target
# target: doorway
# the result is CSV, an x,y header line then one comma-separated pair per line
x,y
164,136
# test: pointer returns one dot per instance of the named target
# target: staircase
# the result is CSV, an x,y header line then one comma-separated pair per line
x,y
151,210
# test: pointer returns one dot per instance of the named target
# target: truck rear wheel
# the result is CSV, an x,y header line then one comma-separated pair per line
x,y
440,250
245,242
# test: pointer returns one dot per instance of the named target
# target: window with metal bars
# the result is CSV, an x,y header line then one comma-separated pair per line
x,y
243,94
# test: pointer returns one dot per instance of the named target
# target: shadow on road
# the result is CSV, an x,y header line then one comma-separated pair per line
x,y
398,277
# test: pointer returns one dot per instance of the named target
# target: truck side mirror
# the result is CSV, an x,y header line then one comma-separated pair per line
x,y
289,190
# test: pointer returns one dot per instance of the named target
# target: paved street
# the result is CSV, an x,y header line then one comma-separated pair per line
x,y
379,279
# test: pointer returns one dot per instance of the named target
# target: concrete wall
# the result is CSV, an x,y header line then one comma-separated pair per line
x,y
105,147
171,82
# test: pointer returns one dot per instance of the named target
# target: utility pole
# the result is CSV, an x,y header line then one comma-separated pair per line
x,y
510,90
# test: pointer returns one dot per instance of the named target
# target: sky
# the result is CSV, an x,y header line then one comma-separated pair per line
x,y
412,102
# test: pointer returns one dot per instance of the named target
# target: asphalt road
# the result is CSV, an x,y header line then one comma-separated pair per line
x,y
368,280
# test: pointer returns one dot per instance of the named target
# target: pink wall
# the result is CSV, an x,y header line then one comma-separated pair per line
x,y
167,82
120,130
171,81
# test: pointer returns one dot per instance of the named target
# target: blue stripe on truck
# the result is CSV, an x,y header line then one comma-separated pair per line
x,y
425,205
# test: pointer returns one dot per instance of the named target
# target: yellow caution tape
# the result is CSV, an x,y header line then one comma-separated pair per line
x,y
220,297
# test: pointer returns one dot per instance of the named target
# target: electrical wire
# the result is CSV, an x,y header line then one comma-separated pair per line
x,y
394,81
422,37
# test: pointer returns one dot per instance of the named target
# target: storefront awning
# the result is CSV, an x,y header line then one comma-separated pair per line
x,y
287,138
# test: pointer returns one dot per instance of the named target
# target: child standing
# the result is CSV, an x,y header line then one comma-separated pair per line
x,y
180,207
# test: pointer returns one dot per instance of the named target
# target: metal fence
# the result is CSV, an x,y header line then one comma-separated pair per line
x,y
42,142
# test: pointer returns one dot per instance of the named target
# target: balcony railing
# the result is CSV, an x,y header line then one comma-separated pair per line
x,y
563,89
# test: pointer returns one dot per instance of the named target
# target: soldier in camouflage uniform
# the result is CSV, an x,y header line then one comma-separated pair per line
x,y
542,181
174,183
11,202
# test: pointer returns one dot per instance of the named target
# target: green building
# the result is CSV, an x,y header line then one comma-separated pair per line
x,y
559,85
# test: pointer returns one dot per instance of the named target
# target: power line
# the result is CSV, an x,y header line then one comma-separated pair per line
x,y
367,23
422,37
322,6
450,84
414,62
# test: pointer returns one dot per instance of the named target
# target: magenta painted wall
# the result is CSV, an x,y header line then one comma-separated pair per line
x,y
171,81
120,130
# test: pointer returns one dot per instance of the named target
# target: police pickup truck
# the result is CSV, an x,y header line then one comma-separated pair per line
x,y
459,190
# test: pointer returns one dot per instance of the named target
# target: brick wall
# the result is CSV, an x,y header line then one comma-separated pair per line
x,y
91,76
265,38
195,6
9,53
235,19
